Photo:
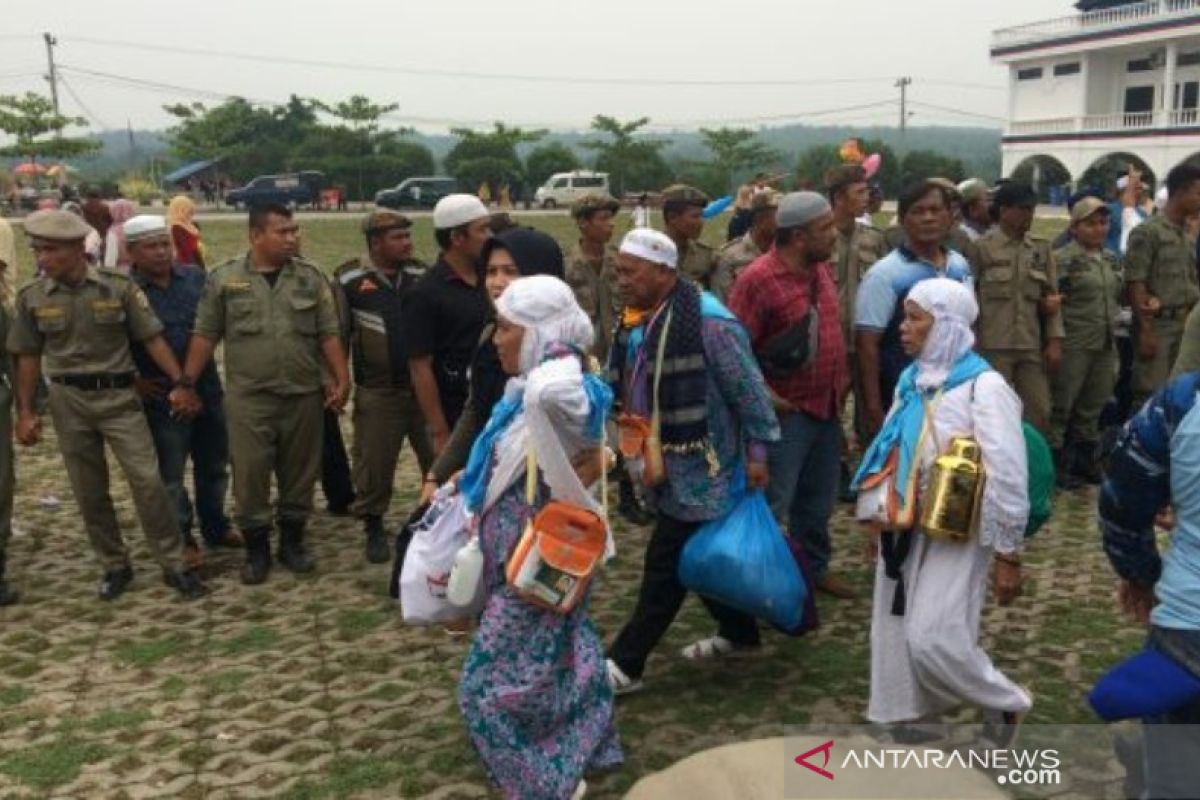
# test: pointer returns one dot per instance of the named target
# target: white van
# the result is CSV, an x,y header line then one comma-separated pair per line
x,y
564,188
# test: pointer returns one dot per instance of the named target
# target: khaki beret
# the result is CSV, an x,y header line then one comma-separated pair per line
x,y
972,190
682,193
845,175
1086,207
591,203
59,226
384,221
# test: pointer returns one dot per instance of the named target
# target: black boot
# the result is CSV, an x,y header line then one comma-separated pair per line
x,y
187,582
292,553
1087,463
115,582
258,556
845,493
378,551
630,507
8,596
1064,478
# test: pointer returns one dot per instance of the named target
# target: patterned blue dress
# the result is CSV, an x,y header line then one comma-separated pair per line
x,y
534,691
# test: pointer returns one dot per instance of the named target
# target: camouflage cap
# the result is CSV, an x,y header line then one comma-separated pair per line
x,y
591,203
687,195
842,176
382,220
1086,207
56,225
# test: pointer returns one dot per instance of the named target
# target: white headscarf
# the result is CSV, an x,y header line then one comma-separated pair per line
x,y
954,311
555,405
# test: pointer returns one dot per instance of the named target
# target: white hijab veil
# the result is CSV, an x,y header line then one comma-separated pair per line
x,y
954,311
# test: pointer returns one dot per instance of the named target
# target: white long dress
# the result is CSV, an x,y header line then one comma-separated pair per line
x,y
929,660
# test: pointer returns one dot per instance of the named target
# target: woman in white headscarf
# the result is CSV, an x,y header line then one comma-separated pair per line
x,y
534,691
929,593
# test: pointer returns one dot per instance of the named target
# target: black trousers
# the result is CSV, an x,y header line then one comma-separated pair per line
x,y
335,466
660,597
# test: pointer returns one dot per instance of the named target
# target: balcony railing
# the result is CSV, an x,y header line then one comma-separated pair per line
x,y
1100,123
1092,21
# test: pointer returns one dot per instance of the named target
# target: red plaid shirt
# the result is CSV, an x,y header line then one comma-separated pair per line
x,y
769,297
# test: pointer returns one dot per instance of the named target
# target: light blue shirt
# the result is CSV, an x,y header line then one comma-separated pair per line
x,y
888,282
1178,589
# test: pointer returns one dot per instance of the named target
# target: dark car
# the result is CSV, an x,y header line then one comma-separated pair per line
x,y
291,189
421,192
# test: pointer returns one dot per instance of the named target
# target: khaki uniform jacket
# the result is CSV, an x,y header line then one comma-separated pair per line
x,y
731,259
1092,286
595,288
1011,277
697,261
853,255
1162,256
84,329
272,334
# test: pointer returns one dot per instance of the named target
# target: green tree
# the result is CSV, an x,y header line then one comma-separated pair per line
x,y
251,140
634,163
921,164
30,119
819,159
489,157
361,120
733,151
544,161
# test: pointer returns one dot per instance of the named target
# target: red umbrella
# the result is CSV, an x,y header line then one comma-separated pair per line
x,y
29,168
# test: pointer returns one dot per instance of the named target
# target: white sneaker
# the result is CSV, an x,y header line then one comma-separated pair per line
x,y
619,682
580,791
712,647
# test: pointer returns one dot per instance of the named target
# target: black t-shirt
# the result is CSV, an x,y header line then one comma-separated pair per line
x,y
443,316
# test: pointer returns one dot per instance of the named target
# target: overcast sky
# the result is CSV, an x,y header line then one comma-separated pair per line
x,y
538,63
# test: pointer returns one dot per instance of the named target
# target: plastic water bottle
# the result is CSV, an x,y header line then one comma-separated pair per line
x,y
465,574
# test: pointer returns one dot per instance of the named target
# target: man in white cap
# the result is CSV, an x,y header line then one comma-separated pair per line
x,y
788,301
714,418
174,292
445,312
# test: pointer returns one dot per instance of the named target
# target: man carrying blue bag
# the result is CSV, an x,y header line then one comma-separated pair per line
x,y
695,415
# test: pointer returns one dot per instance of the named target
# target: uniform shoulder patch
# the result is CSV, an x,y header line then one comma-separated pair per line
x,y
349,276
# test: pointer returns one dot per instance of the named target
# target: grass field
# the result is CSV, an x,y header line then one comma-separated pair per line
x,y
313,688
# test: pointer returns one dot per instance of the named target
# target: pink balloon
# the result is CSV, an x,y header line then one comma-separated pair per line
x,y
872,164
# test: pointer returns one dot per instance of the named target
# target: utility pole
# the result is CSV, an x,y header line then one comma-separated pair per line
x,y
52,75
903,84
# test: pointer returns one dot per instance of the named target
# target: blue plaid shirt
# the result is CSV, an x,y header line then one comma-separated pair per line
x,y
1156,463
175,306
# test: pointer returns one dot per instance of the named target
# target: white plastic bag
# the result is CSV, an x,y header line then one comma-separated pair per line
x,y
437,538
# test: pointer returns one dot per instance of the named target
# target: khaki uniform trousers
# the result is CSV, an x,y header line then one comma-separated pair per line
x,y
84,422
274,434
1080,390
1025,372
383,419
7,477
1149,376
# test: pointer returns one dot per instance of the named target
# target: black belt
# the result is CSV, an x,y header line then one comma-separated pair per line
x,y
95,382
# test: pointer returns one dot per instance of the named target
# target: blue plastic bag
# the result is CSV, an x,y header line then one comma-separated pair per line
x,y
742,560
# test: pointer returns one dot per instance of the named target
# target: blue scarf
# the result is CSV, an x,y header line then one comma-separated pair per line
x,y
902,429
474,482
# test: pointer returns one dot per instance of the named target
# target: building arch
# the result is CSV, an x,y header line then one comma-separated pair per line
x,y
1101,176
1049,177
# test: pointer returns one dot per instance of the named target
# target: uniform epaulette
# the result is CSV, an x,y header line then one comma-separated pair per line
x,y
109,272
347,277
346,266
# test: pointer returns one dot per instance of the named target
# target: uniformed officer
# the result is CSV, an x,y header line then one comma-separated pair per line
x,y
758,239
975,208
79,320
370,291
858,246
683,221
278,318
1090,278
956,238
1160,277
591,266
1020,327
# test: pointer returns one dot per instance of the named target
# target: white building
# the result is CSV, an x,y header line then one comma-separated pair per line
x,y
1122,79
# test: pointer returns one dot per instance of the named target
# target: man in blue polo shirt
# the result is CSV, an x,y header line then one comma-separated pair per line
x,y
925,215
174,291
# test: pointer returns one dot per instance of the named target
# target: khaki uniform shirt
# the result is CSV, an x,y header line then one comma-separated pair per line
x,y
1160,255
595,288
1092,296
696,261
853,255
731,259
272,333
1011,277
83,329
